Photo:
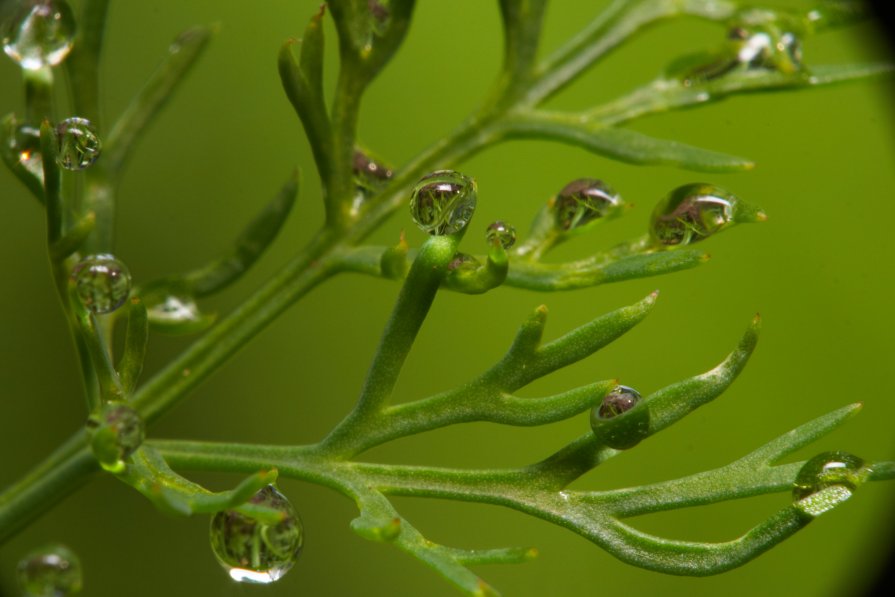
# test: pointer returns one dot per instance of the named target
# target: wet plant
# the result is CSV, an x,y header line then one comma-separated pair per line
x,y
256,532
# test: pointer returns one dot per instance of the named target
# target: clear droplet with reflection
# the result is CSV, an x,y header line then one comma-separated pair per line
x,y
621,419
115,432
691,213
370,176
443,202
78,145
253,551
827,480
102,283
582,201
51,571
500,233
39,33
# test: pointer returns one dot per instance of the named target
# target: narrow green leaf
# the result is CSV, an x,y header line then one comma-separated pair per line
x,y
249,246
802,435
303,83
109,381
621,144
83,63
529,336
74,237
574,346
688,558
393,263
135,342
52,183
499,555
171,301
674,402
182,55
529,412
522,22
586,273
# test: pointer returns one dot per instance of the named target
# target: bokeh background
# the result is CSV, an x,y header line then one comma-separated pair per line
x,y
819,272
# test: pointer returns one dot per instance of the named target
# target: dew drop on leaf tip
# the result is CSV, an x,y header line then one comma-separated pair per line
x,y
252,551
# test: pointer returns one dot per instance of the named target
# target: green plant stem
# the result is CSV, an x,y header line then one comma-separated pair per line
x,y
55,478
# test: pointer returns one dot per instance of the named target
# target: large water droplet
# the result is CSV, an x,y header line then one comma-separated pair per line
x,y
443,202
102,283
51,571
621,419
501,233
115,433
78,145
582,201
39,33
827,480
252,551
691,213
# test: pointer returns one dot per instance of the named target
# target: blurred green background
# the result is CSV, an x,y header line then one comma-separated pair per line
x,y
819,272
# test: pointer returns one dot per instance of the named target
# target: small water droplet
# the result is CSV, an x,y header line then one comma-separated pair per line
x,y
370,176
24,143
251,551
51,571
116,432
501,233
691,213
463,261
621,420
102,283
583,201
78,145
39,33
443,202
827,480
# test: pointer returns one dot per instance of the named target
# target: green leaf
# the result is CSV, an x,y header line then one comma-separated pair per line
x,y
73,238
52,183
249,246
303,83
620,144
526,361
587,273
171,301
674,402
182,55
135,341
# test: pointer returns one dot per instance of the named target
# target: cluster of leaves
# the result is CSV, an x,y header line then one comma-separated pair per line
x,y
356,203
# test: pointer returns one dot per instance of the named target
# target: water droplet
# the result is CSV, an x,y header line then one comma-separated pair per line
x,y
51,571
691,213
462,261
24,143
252,551
827,480
39,33
443,202
767,48
370,176
102,283
621,420
501,233
78,145
582,201
115,433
